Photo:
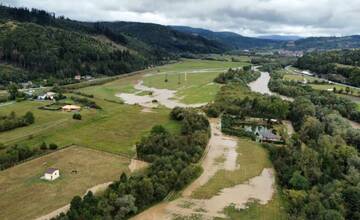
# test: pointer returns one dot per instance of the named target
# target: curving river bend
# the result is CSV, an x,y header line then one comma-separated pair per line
x,y
261,85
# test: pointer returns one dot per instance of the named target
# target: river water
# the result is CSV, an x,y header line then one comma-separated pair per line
x,y
261,86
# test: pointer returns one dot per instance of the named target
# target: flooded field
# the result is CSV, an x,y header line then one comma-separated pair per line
x,y
156,97
221,154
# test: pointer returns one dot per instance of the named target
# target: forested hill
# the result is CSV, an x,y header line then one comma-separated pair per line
x,y
35,44
231,40
165,38
45,52
341,65
327,43
151,36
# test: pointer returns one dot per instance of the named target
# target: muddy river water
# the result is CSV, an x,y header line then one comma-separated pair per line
x,y
261,86
220,145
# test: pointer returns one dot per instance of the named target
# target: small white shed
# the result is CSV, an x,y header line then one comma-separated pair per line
x,y
52,174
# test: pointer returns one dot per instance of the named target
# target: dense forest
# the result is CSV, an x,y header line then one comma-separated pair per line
x,y
46,52
319,169
173,165
341,66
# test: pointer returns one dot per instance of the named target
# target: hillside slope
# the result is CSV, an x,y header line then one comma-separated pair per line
x,y
165,38
47,52
231,40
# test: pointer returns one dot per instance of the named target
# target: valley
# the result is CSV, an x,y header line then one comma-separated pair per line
x,y
109,118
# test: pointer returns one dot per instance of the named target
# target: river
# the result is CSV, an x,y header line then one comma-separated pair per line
x,y
261,85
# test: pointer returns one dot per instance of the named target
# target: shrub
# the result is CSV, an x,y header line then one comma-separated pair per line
x,y
43,146
213,111
77,116
53,146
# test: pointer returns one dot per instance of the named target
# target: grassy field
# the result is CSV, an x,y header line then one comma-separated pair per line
x,y
193,79
25,196
114,129
196,88
297,77
109,90
331,86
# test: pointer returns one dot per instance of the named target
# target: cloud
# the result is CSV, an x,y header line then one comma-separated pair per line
x,y
248,17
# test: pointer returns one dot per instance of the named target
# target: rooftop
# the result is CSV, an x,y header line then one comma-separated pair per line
x,y
51,170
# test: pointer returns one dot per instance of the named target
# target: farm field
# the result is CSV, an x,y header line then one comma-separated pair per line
x,y
115,128
21,185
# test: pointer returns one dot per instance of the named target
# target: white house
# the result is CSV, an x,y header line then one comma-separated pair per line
x,y
52,174
47,96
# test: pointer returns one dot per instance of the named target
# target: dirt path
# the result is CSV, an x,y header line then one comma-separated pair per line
x,y
224,147
163,97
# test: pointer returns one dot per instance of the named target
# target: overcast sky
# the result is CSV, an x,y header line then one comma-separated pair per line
x,y
247,17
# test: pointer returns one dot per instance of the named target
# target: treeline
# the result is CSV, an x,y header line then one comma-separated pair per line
x,y
321,99
245,75
237,99
172,158
341,66
58,55
86,102
42,17
11,121
18,153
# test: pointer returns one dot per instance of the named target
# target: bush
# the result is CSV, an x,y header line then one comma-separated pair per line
x,y
53,146
213,111
43,146
77,116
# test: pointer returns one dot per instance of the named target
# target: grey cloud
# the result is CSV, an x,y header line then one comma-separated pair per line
x,y
249,17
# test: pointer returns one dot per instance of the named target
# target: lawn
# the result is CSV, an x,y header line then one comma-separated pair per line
x,y
114,129
25,196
